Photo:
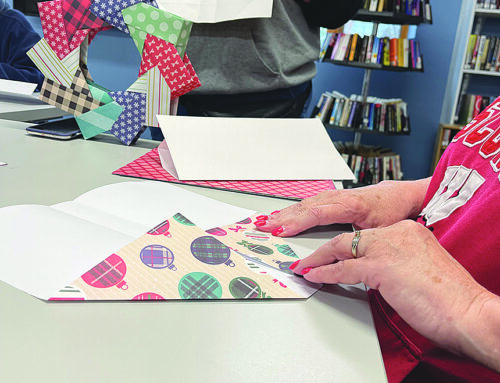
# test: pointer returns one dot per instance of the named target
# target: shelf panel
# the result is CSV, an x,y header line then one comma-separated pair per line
x,y
487,12
365,131
358,64
482,72
388,18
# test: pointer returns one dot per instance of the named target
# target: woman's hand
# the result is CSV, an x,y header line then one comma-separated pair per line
x,y
373,206
428,288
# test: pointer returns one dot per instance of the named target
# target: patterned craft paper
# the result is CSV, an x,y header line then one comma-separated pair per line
x,y
159,97
130,124
178,73
148,166
51,17
77,99
69,27
50,65
112,14
77,15
178,260
143,19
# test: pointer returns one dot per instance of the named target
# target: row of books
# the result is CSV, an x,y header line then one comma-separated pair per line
x,y
448,135
395,52
371,165
406,7
375,114
488,4
469,106
483,53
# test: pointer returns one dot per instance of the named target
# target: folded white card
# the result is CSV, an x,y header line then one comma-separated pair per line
x,y
213,148
16,88
214,11
44,247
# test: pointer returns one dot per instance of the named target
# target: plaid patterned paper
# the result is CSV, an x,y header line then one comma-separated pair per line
x,y
210,250
199,286
77,15
76,100
157,256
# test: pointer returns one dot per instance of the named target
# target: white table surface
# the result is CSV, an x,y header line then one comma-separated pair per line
x,y
329,337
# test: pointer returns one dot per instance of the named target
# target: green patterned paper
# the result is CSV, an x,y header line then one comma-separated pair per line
x,y
143,19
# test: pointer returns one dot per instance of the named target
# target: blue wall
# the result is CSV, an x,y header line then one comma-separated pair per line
x,y
114,62
424,92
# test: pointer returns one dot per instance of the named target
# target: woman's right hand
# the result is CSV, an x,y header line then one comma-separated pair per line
x,y
368,207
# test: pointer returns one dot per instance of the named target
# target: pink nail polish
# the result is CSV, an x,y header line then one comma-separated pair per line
x,y
262,217
275,212
259,223
306,270
294,265
278,231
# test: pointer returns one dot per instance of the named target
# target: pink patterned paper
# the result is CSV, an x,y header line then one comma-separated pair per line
x,y
149,166
51,17
178,73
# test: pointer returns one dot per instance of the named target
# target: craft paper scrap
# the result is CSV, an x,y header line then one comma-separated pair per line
x,y
77,99
178,260
77,16
177,72
90,228
159,97
143,19
51,17
130,123
50,65
111,12
148,166
227,149
214,11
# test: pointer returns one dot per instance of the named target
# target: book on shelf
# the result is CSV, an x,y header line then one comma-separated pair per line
x,y
482,53
396,52
370,165
487,4
470,105
375,114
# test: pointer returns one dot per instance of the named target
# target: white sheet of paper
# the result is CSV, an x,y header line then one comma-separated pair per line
x,y
42,248
214,11
213,148
16,88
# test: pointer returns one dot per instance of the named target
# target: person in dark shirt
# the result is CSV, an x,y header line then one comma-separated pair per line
x,y
17,36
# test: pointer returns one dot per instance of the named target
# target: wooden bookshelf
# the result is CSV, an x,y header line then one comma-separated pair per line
x,y
444,135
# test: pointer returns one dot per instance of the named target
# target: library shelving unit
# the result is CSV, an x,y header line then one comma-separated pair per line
x,y
445,134
389,15
473,74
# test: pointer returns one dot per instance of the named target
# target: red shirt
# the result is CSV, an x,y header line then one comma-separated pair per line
x,y
462,210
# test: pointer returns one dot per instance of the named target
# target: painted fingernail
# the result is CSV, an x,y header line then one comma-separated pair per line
x,y
278,231
306,270
294,265
262,217
275,212
259,223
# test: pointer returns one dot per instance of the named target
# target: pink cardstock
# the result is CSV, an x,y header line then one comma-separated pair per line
x,y
148,166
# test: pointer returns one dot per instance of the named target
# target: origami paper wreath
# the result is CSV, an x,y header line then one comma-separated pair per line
x,y
166,73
